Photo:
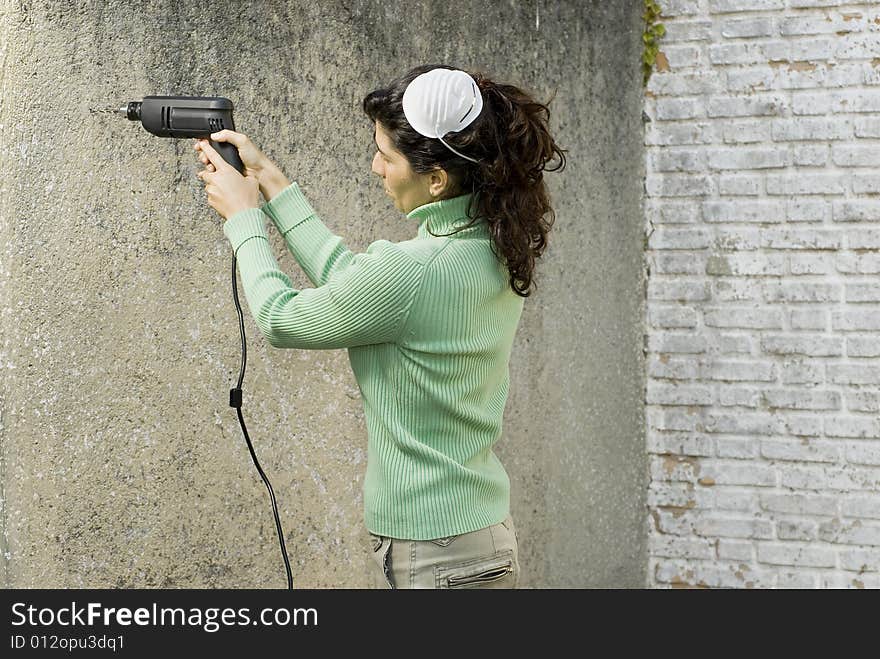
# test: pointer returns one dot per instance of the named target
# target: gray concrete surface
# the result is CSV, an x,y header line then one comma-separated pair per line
x,y
122,463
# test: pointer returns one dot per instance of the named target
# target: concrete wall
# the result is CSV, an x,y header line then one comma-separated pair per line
x,y
122,463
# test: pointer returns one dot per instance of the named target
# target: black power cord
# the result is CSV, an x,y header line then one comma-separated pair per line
x,y
235,401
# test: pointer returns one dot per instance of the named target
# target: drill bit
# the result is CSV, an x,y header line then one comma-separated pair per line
x,y
123,110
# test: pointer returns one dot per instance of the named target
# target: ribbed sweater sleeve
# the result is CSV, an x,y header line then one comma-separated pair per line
x,y
318,250
359,299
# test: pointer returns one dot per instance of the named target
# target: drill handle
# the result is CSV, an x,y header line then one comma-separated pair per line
x,y
229,152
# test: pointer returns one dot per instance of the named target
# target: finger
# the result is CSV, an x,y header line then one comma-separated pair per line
x,y
213,156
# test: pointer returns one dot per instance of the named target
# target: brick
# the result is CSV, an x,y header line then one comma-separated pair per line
x,y
855,101
862,347
862,238
828,477
812,346
743,317
756,26
738,397
738,371
806,319
804,4
796,529
745,158
732,6
795,553
676,31
855,320
685,83
745,131
867,292
737,185
672,316
731,344
868,127
854,532
717,525
807,209
676,547
747,106
844,155
736,447
735,550
799,580
679,262
801,399
679,108
860,559
844,426
672,395
809,319
745,423
867,506
795,450
745,264
853,374
863,401
744,211
681,444
683,291
812,24
806,184
863,453
674,212
751,79
809,128
803,103
672,369
852,581
856,264
808,264
735,472
781,291
798,372
686,160
800,239
855,211
800,504
679,185
683,56
672,8
666,134
810,155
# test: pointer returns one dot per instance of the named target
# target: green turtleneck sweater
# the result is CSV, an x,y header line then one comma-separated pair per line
x,y
428,324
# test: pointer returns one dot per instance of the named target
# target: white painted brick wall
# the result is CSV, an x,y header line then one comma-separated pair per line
x,y
763,299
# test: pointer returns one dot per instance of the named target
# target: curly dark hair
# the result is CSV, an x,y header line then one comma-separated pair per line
x,y
512,143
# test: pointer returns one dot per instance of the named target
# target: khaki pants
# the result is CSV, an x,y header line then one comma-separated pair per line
x,y
486,558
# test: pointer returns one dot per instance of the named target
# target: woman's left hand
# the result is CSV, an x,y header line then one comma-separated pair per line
x,y
228,191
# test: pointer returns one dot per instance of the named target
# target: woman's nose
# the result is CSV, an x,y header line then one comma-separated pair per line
x,y
376,169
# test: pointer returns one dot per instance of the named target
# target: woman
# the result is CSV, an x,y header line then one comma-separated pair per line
x,y
429,322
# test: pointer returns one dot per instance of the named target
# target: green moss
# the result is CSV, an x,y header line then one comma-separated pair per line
x,y
651,38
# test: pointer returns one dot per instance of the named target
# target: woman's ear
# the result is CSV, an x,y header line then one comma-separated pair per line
x,y
438,183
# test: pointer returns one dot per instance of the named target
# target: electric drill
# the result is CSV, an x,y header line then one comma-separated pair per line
x,y
187,116
200,116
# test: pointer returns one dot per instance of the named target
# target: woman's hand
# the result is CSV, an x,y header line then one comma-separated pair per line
x,y
254,160
256,164
228,191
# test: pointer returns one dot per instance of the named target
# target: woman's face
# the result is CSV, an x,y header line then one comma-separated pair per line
x,y
408,189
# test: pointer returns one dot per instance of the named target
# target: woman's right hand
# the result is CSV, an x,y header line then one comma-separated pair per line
x,y
255,161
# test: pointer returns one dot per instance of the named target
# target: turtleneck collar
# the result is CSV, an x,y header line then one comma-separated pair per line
x,y
444,216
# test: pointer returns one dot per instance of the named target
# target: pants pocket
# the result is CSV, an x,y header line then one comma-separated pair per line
x,y
495,571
